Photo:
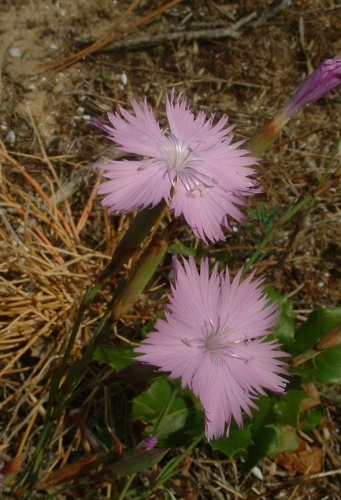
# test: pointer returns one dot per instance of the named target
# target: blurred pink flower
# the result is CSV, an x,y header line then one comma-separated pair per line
x,y
192,165
214,339
148,443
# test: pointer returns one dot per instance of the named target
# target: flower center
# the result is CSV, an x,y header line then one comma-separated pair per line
x,y
217,343
183,165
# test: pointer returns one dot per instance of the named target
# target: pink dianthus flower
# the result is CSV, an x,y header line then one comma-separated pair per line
x,y
214,337
192,165
324,79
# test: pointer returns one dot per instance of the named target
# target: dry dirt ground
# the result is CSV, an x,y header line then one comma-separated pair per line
x,y
243,59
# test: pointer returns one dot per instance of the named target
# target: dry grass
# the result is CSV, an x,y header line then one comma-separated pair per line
x,y
45,269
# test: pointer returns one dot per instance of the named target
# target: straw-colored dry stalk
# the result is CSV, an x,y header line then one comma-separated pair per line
x,y
45,266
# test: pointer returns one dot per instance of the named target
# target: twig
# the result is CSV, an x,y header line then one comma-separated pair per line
x,y
87,209
297,481
33,227
111,35
37,188
70,229
272,12
208,34
205,34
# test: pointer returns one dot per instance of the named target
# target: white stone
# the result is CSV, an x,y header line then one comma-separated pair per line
x,y
15,52
10,137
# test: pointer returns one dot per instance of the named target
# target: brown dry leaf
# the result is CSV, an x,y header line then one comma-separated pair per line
x,y
333,339
306,460
313,398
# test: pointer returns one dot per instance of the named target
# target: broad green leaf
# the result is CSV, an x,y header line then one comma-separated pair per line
x,y
150,402
319,323
268,438
261,435
328,366
174,417
285,328
262,442
285,440
116,357
261,416
270,441
311,419
324,367
287,408
235,445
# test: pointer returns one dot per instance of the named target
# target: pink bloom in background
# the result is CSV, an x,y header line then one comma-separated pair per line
x,y
148,444
214,339
192,165
324,79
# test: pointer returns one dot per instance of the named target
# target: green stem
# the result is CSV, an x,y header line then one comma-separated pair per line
x,y
325,182
165,411
131,241
334,154
280,222
126,486
60,396
168,471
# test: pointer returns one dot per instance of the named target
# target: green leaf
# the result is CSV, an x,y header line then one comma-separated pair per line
x,y
262,442
285,440
150,326
261,416
264,217
324,367
180,248
285,328
319,323
287,408
311,419
174,416
268,437
235,445
136,461
270,441
261,435
328,366
142,273
116,357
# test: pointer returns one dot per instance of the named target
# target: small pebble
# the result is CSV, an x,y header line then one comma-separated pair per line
x,y
80,110
53,46
257,473
10,137
124,79
15,52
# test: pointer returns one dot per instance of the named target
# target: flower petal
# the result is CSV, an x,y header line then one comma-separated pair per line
x,y
214,338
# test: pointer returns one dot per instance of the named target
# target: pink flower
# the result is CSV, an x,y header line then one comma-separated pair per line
x,y
148,443
324,79
214,339
192,165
